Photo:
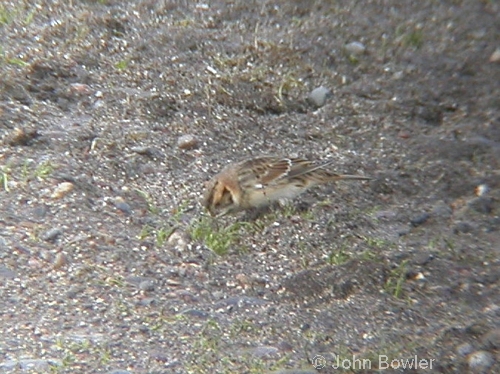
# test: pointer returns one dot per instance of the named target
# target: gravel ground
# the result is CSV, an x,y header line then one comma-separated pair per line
x,y
113,115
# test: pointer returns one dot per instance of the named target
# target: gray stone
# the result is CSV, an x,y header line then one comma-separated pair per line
x,y
355,48
317,98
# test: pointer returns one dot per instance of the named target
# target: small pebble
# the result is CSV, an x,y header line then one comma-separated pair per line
x,y
20,136
148,301
62,190
403,230
73,292
147,285
317,97
480,361
491,340
172,282
285,346
494,224
398,75
385,214
464,349
482,204
305,327
80,89
420,219
355,48
463,227
138,281
481,190
211,70
476,328
243,280
495,57
178,241
123,207
264,351
6,273
40,211
31,365
381,186
422,258
51,235
151,152
60,261
187,142
442,210
195,313
3,244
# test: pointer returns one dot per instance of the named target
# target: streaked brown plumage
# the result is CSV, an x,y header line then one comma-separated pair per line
x,y
263,180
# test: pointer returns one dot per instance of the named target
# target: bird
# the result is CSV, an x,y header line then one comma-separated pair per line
x,y
259,182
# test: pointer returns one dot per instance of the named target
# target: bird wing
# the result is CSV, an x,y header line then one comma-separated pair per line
x,y
267,170
302,167
270,170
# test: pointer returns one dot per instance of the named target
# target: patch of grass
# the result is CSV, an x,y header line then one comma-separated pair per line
x,y
370,256
414,39
441,243
18,13
28,171
152,208
209,353
288,83
105,356
397,278
25,172
373,210
239,327
304,262
16,62
122,65
209,340
272,67
353,59
116,281
450,244
219,240
163,234
180,210
160,234
44,170
278,212
28,19
145,232
186,22
6,15
68,359
338,257
379,243
72,348
410,38
4,178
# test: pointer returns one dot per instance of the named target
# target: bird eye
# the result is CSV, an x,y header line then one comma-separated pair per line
x,y
226,199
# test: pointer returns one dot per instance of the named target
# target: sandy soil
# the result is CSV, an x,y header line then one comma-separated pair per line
x,y
113,114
